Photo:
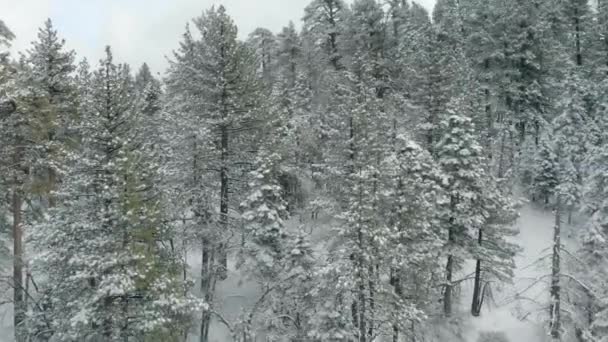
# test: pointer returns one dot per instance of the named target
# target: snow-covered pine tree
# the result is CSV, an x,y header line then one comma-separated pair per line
x,y
545,172
295,300
149,94
6,36
263,43
50,79
397,13
40,141
324,26
104,246
13,128
595,240
571,133
519,31
149,91
494,252
599,41
288,54
459,155
413,205
576,21
418,81
216,98
480,47
264,212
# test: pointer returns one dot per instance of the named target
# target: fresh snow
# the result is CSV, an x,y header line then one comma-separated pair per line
x,y
518,309
520,319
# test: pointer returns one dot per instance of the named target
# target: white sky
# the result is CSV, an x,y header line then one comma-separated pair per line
x,y
138,30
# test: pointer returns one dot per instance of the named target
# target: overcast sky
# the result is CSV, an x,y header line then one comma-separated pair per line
x,y
138,30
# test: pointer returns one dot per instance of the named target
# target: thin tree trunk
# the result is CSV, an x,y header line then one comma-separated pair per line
x,y
18,296
222,272
125,324
476,304
362,304
488,110
555,313
536,133
52,185
362,307
333,37
207,275
16,206
223,253
501,158
577,28
449,268
396,282
372,303
447,295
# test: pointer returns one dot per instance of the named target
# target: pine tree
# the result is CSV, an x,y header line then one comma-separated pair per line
x,y
50,80
220,111
289,51
494,252
459,156
599,41
577,21
595,242
111,275
571,131
149,102
415,238
263,213
324,24
6,34
263,43
418,81
11,126
545,174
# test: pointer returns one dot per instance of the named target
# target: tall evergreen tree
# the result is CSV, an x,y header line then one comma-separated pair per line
x,y
263,43
459,156
215,78
324,23
112,275
51,80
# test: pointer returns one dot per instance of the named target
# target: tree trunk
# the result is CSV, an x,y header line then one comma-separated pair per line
x,y
372,303
488,110
447,295
333,37
449,268
223,253
501,157
362,306
476,304
396,282
52,185
18,295
207,280
16,206
577,28
555,322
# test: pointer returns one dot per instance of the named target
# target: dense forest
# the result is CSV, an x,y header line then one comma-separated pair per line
x,y
350,174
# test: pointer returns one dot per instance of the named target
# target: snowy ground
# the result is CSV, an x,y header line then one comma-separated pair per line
x,y
519,318
518,309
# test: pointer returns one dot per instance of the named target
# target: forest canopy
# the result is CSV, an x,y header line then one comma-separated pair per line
x,y
358,177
